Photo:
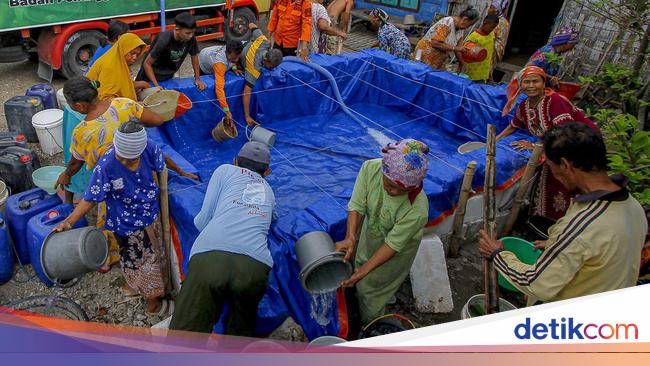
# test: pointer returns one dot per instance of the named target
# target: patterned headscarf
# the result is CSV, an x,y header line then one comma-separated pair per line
x,y
501,5
566,35
405,162
514,88
380,14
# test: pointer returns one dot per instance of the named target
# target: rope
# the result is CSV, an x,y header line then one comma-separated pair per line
x,y
270,90
433,87
434,113
380,126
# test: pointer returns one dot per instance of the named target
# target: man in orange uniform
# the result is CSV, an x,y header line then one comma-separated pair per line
x,y
290,26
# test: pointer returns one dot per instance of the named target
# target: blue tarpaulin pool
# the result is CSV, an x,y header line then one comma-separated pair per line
x,y
320,148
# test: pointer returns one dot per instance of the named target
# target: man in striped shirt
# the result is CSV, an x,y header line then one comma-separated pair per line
x,y
596,246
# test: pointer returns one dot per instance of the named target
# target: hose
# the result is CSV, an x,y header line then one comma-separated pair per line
x,y
332,82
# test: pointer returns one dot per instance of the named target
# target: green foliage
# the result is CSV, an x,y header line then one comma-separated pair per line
x,y
614,87
628,151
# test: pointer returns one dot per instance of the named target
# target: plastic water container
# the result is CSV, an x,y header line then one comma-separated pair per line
x,y
6,253
60,99
39,227
9,139
49,128
20,208
45,92
19,112
16,167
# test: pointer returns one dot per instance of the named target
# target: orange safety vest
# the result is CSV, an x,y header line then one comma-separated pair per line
x,y
291,22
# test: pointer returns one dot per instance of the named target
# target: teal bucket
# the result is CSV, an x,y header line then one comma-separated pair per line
x,y
525,252
45,178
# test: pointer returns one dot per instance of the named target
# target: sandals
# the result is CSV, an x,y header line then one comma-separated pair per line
x,y
166,309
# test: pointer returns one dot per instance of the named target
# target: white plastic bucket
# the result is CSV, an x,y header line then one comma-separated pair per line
x,y
60,99
4,194
49,128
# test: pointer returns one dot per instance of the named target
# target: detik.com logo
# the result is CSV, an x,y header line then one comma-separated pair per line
x,y
568,328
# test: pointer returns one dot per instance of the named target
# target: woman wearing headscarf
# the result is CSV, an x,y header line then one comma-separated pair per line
x,y
501,32
386,217
93,136
390,38
113,69
123,179
541,111
549,57
446,36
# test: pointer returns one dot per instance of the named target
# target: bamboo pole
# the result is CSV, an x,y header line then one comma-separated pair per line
x,y
489,222
523,187
459,217
164,212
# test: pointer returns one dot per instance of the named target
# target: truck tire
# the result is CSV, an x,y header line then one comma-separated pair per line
x,y
78,51
240,32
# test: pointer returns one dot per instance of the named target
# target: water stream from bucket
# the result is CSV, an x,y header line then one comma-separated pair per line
x,y
322,307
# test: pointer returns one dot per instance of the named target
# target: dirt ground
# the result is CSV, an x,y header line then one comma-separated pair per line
x,y
99,294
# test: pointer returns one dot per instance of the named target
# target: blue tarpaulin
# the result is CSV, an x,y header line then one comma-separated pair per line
x,y
320,149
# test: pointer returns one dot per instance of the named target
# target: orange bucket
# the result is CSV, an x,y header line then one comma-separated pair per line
x,y
475,53
569,90
184,105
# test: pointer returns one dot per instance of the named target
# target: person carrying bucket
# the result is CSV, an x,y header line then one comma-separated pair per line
x,y
257,54
484,38
219,60
386,217
123,179
596,246
93,136
230,260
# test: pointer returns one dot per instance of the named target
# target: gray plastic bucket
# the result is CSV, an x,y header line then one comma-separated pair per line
x,y
261,134
480,301
144,93
322,268
70,254
326,341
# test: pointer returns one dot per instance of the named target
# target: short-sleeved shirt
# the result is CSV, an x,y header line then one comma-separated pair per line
x,y
131,196
236,214
443,31
394,41
213,55
318,12
169,55
91,139
393,220
254,56
480,71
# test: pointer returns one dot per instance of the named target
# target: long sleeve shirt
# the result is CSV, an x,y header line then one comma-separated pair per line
x,y
291,22
595,247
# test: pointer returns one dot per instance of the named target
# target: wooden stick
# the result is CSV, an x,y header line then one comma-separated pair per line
x,y
523,187
489,222
164,212
459,217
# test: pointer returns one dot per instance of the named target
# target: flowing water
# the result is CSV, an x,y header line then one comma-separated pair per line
x,y
322,307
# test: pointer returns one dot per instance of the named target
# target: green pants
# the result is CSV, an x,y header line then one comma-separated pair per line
x,y
213,279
